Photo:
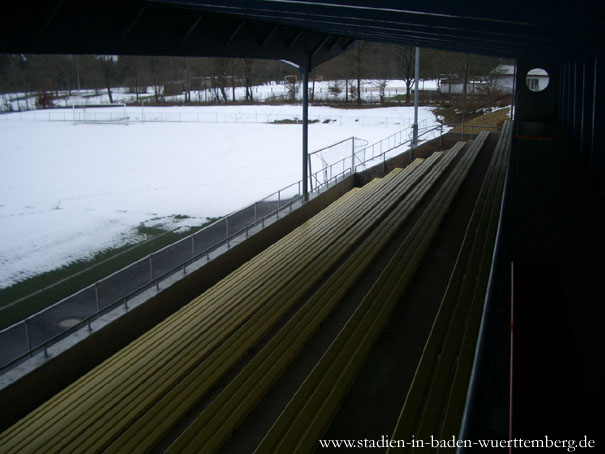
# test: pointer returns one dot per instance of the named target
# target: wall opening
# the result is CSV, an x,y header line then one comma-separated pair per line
x,y
537,79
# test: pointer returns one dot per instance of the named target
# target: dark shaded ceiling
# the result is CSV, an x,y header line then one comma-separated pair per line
x,y
302,31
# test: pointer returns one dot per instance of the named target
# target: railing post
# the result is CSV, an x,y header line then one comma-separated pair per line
x,y
27,338
150,269
255,211
192,246
227,230
97,299
352,153
463,126
441,135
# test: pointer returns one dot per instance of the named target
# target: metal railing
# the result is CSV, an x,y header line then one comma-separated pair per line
x,y
151,115
38,332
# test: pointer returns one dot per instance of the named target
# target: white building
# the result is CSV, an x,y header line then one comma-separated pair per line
x,y
456,86
502,77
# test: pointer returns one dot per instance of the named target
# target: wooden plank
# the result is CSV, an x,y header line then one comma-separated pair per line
x,y
109,369
313,405
216,423
198,382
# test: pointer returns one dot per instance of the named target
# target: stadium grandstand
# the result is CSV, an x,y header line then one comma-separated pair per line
x,y
452,293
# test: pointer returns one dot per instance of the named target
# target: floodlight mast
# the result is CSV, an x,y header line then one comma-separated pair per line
x,y
416,77
305,125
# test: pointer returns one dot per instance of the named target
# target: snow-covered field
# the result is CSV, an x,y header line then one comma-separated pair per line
x,y
69,190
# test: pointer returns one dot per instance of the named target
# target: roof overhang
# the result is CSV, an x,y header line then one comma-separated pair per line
x,y
302,31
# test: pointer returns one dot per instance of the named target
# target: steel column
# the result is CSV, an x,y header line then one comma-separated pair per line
x,y
417,78
305,132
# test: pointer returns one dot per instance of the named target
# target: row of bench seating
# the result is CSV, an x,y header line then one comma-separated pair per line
x,y
278,300
310,411
180,399
435,401
225,413
196,346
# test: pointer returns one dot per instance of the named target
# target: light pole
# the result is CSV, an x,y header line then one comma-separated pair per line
x,y
417,77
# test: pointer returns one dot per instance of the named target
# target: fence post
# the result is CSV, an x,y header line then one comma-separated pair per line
x,y
463,126
192,246
441,135
150,269
27,338
352,153
255,211
97,299
227,230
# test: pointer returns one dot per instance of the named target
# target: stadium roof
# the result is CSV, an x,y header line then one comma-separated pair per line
x,y
302,31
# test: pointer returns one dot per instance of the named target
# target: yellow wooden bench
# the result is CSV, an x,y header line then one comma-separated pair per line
x,y
228,409
311,409
435,400
178,401
90,384
98,407
225,413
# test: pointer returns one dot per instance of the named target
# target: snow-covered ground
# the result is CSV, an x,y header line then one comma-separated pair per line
x,y
69,190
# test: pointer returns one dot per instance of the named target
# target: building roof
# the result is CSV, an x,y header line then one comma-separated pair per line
x,y
537,72
303,31
503,70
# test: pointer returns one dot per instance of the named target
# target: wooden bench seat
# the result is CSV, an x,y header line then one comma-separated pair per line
x,y
224,414
121,389
435,401
311,409
237,400
197,384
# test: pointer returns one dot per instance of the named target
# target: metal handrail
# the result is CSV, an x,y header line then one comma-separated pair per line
x,y
155,280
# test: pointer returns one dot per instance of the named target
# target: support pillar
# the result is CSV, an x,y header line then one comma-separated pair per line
x,y
305,137
417,77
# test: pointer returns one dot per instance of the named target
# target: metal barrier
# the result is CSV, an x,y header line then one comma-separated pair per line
x,y
40,331
112,114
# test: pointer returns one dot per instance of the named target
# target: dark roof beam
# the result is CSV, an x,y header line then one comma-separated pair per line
x,y
347,45
51,17
267,37
335,41
196,22
425,39
235,32
337,27
293,40
321,44
134,22
315,20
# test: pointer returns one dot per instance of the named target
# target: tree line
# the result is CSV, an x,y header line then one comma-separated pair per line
x,y
173,75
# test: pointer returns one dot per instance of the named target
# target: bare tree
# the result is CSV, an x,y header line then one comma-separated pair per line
x,y
108,69
407,58
248,67
220,66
